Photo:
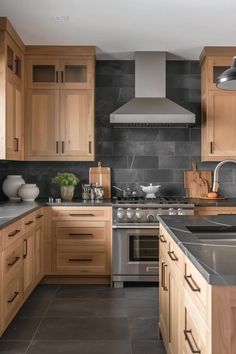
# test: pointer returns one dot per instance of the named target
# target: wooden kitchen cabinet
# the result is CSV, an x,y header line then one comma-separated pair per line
x,y
218,106
60,103
81,241
11,93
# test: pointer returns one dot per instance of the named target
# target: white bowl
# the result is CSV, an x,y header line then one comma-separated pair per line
x,y
150,190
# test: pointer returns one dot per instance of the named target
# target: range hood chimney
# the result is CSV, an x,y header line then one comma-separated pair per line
x,y
150,107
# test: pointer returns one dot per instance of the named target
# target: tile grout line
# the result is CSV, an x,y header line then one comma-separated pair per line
x,y
41,320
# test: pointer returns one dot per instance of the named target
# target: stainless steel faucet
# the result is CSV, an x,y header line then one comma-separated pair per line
x,y
216,174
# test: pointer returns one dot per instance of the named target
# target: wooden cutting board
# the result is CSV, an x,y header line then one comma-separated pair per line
x,y
197,183
102,176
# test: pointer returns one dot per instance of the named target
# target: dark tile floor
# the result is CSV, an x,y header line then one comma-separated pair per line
x,y
74,319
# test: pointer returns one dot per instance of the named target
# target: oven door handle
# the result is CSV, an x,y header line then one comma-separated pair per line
x,y
135,227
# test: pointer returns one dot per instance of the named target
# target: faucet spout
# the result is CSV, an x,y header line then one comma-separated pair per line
x,y
216,174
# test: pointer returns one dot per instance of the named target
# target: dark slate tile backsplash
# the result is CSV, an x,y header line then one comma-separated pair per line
x,y
136,156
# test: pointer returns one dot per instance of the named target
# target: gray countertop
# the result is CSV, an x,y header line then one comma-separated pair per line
x,y
12,211
216,260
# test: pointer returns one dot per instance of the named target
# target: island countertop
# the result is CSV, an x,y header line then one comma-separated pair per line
x,y
215,260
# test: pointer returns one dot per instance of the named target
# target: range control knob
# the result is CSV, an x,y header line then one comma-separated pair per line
x,y
138,213
120,213
130,213
150,217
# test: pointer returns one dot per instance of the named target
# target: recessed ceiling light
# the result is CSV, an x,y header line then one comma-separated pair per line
x,y
62,18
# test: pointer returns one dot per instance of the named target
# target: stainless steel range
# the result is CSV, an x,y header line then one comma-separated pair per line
x,y
136,236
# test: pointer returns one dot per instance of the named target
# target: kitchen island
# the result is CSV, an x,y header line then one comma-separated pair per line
x,y
198,284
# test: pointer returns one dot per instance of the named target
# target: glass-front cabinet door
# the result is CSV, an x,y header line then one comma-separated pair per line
x,y
43,74
14,61
76,74
216,67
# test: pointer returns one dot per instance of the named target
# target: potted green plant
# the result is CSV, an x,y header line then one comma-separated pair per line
x,y
67,181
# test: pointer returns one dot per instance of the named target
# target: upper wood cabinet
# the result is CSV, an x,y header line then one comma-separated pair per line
x,y
11,93
60,103
218,106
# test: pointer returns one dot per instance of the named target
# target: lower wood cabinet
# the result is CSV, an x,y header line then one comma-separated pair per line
x,y
81,241
195,317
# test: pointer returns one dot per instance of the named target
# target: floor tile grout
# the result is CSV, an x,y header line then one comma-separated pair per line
x,y
40,322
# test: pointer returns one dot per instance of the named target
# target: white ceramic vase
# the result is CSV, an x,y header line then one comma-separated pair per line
x,y
11,186
28,192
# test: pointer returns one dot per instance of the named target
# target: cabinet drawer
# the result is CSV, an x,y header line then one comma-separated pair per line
x,y
28,222
81,214
175,255
198,289
12,260
195,334
82,263
80,235
12,297
12,232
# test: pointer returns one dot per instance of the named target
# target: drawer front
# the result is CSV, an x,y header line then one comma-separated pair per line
x,y
81,213
82,263
198,289
195,334
12,260
39,216
80,235
12,297
29,222
12,233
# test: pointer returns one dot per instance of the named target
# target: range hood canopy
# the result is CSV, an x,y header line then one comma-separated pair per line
x,y
150,107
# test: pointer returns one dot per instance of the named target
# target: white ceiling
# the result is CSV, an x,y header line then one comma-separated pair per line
x,y
120,27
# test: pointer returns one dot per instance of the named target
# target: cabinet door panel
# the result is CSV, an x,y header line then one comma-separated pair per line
x,y
28,263
43,73
10,115
76,74
39,253
42,124
222,124
164,297
76,123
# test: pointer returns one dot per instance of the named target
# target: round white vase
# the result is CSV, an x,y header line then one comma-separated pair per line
x,y
28,192
11,186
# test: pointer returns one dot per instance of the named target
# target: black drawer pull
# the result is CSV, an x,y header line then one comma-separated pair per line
x,y
172,256
17,144
80,259
81,215
187,334
16,293
163,276
77,234
14,233
162,239
39,216
29,222
193,286
16,259
25,248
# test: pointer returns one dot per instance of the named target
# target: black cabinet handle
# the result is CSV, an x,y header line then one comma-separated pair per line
x,y
211,147
80,259
62,147
172,256
90,147
16,144
162,239
62,76
14,233
57,147
57,76
81,215
25,248
193,286
163,276
78,234
187,334
29,222
16,293
16,259
39,216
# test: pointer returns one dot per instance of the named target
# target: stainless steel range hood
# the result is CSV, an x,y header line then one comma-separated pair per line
x,y
150,107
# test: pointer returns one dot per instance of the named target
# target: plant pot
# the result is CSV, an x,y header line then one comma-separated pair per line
x,y
67,192
11,186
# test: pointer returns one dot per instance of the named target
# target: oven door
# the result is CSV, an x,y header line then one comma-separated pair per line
x,y
135,251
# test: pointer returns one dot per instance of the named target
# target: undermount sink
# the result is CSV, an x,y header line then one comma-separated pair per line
x,y
214,233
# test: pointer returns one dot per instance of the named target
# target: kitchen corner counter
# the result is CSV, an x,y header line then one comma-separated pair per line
x,y
215,260
12,211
